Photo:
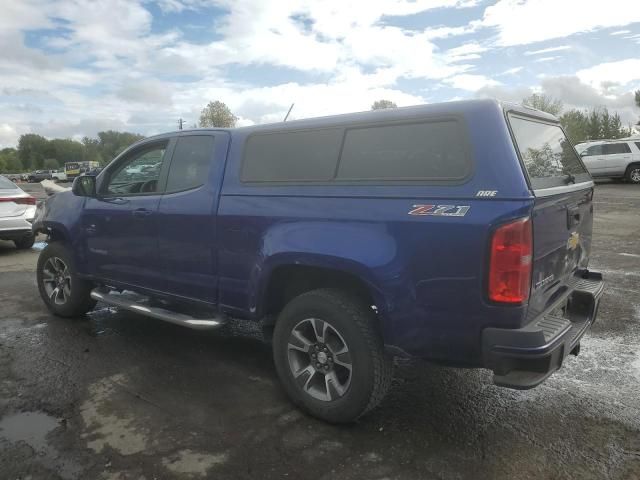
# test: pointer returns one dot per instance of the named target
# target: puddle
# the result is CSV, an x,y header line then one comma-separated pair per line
x,y
39,245
29,427
32,428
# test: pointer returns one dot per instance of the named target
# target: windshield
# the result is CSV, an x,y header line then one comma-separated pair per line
x,y
547,154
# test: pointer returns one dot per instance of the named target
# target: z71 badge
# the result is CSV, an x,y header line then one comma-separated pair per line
x,y
440,210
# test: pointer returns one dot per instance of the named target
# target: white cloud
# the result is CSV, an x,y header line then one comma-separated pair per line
x,y
512,71
574,93
471,82
622,71
548,50
620,32
546,59
521,22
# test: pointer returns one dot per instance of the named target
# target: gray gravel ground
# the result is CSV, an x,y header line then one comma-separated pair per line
x,y
120,396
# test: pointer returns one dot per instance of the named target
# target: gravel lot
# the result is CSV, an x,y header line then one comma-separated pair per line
x,y
124,397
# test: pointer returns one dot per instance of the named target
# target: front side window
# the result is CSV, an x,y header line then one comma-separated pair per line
x,y
139,173
190,163
547,154
615,148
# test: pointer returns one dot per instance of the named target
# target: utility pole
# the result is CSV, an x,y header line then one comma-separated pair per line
x,y
180,122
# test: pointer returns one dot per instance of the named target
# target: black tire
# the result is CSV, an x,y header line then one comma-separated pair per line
x,y
78,300
351,322
25,242
633,174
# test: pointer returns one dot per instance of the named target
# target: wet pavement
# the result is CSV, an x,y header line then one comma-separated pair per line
x,y
119,396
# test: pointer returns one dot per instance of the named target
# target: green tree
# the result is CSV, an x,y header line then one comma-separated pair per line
x,y
32,150
217,114
574,123
382,104
66,150
50,164
9,161
637,96
111,143
544,103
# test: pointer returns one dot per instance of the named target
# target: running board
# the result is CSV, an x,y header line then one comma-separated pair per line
x,y
136,303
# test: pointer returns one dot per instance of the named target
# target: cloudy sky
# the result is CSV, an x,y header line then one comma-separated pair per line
x,y
70,68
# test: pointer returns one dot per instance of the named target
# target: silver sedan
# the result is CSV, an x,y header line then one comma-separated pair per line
x,y
17,210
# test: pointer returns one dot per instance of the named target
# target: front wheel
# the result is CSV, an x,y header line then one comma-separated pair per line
x,y
633,174
63,292
330,356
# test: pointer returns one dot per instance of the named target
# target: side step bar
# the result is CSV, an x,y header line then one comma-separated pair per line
x,y
137,303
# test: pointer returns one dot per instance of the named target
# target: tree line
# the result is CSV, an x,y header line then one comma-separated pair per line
x,y
35,152
596,123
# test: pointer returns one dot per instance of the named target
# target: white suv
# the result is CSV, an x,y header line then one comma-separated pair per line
x,y
612,158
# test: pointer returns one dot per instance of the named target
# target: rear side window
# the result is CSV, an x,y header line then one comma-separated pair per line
x,y
638,145
401,152
190,163
593,150
615,148
309,155
431,151
547,154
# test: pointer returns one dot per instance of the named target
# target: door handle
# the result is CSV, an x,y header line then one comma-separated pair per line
x,y
142,212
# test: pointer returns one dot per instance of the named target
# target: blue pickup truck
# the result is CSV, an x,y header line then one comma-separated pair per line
x,y
456,232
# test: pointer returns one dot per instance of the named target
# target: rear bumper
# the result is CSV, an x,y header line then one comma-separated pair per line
x,y
14,228
525,357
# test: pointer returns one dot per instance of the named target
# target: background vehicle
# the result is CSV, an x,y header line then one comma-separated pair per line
x,y
40,175
457,232
17,210
612,158
75,169
59,176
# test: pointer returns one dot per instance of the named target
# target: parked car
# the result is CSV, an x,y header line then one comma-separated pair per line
x,y
17,210
58,176
612,158
40,175
429,231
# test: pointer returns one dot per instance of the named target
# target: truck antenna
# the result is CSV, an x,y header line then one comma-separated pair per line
x,y
287,115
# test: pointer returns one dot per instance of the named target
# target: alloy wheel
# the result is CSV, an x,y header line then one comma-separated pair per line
x,y
56,279
319,359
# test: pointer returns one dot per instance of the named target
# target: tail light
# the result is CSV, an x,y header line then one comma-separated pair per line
x,y
20,200
510,265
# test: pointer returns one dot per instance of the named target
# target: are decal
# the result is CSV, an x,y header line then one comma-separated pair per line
x,y
440,210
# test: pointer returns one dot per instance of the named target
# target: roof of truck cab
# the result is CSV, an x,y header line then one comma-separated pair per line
x,y
435,109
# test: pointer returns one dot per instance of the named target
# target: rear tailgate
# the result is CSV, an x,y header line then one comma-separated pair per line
x,y
563,210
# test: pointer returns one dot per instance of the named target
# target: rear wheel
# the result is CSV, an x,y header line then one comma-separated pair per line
x,y
63,292
633,174
25,242
330,356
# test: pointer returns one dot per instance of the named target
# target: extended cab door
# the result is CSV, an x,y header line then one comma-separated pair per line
x,y
562,217
187,215
120,225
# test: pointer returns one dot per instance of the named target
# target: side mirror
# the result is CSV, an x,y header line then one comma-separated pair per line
x,y
84,186
583,154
